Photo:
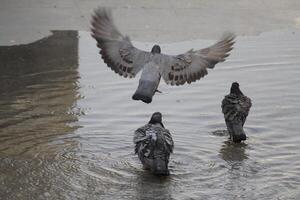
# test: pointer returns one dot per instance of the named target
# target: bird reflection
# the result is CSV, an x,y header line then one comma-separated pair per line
x,y
232,152
152,187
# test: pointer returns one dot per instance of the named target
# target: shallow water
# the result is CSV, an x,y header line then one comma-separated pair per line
x,y
67,123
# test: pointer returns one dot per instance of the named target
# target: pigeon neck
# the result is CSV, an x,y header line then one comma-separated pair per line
x,y
155,122
236,91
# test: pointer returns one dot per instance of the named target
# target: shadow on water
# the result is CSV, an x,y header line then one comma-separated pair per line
x,y
220,133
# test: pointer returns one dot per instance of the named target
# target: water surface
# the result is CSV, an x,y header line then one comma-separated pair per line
x,y
67,123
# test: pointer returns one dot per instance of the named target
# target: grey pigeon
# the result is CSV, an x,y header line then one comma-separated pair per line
x,y
123,58
235,107
154,144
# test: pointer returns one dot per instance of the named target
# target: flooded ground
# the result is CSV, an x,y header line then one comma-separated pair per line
x,y
67,123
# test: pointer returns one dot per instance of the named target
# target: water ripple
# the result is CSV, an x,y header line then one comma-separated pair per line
x,y
66,125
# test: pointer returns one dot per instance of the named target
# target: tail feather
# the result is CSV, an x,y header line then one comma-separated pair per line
x,y
145,91
236,131
148,83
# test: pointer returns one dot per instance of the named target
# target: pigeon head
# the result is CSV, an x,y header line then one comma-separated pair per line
x,y
155,49
235,89
156,118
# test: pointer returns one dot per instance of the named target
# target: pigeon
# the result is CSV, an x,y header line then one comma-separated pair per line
x,y
153,145
123,58
235,107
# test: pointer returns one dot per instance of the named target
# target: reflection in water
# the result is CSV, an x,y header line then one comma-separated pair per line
x,y
233,152
37,116
43,154
235,156
153,187
38,91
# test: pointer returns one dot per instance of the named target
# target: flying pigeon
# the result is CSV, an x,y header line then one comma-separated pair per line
x,y
154,144
235,107
122,57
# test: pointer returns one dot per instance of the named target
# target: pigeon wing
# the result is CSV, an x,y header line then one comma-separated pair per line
x,y
145,138
141,139
169,144
117,51
192,65
236,108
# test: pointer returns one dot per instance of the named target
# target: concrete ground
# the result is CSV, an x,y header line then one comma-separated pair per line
x,y
153,20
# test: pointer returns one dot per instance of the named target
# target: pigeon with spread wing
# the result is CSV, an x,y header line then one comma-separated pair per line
x,y
123,58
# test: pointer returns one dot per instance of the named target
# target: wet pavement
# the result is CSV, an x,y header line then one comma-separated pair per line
x,y
157,21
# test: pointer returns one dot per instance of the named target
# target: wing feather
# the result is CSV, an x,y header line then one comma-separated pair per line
x,y
192,65
142,139
117,50
236,108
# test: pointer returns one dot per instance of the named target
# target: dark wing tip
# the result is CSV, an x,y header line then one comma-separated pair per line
x,y
102,12
101,17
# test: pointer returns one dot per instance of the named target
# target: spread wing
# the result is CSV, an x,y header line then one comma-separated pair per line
x,y
192,65
117,51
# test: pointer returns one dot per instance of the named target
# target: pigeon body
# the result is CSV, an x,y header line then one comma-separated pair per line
x,y
154,144
235,107
123,58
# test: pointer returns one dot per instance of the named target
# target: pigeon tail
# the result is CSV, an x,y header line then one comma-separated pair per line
x,y
155,159
148,83
161,166
236,131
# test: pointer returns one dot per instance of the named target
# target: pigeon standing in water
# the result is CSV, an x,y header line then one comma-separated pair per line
x,y
123,58
235,107
154,144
